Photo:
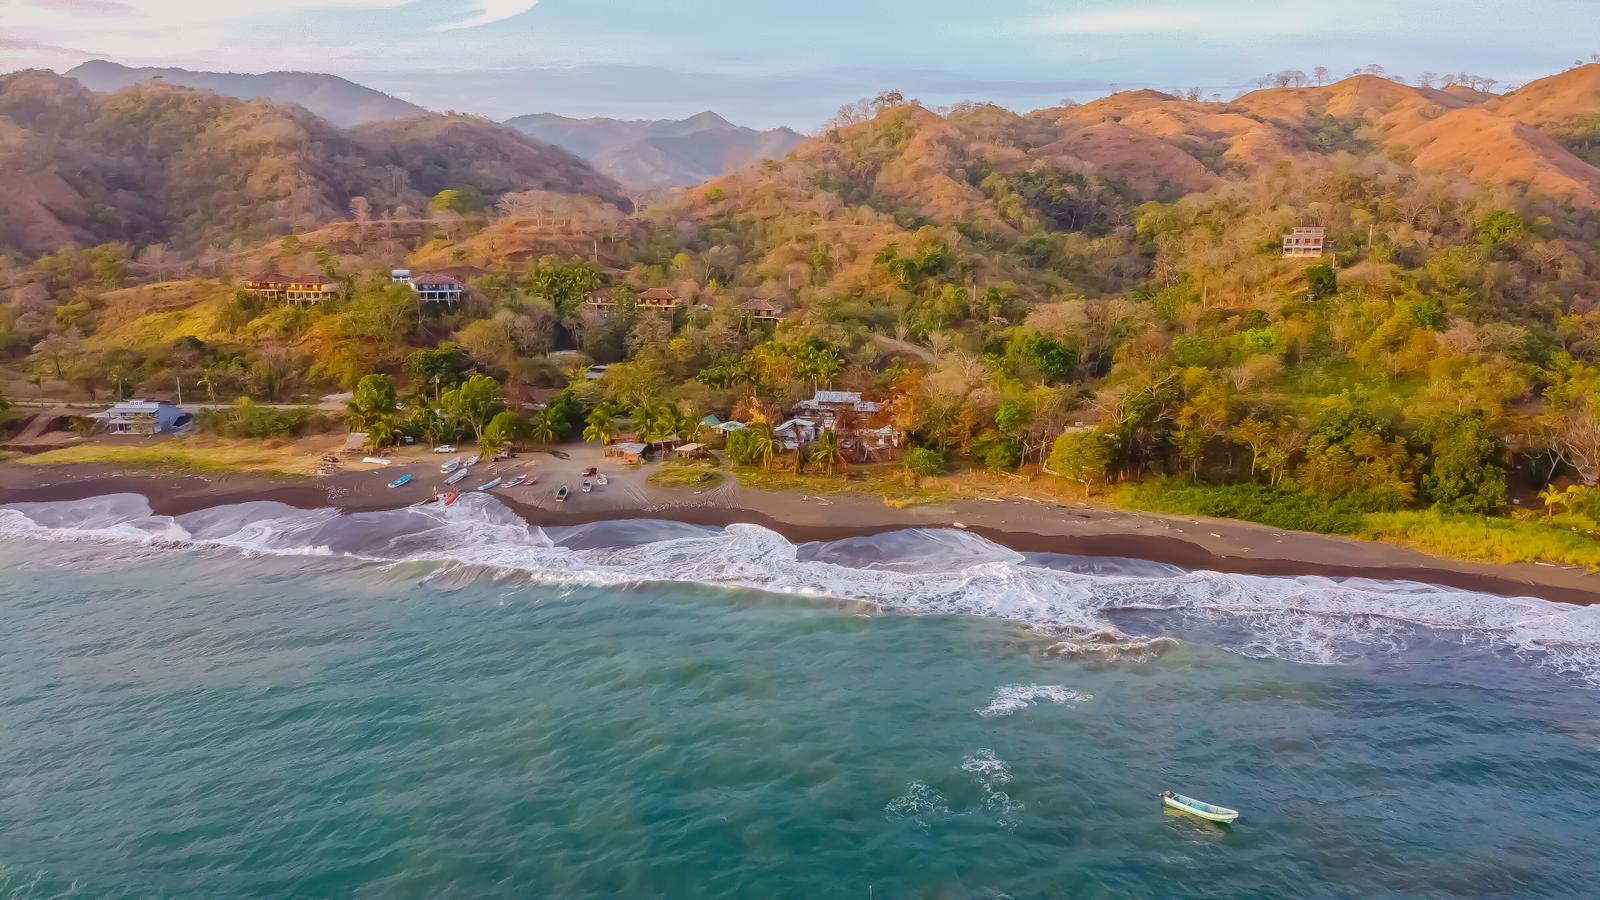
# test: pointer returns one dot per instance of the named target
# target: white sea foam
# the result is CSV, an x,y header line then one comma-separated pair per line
x,y
941,572
1012,697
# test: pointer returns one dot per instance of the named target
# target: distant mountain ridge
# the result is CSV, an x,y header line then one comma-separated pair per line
x,y
158,162
340,101
660,153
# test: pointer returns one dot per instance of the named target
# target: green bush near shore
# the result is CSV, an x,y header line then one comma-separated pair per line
x,y
1251,502
1570,539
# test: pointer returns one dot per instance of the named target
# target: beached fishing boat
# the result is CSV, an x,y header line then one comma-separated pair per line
x,y
517,481
377,461
1204,810
601,480
533,480
472,461
587,485
458,477
402,481
561,495
489,485
450,466
451,498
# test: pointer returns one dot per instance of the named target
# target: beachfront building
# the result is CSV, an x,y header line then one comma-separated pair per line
x,y
143,417
829,407
292,288
1304,241
763,311
628,451
863,426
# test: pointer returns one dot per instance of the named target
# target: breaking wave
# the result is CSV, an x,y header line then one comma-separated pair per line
x,y
1012,697
1079,602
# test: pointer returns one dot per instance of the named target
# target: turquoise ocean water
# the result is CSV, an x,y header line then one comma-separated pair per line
x,y
259,702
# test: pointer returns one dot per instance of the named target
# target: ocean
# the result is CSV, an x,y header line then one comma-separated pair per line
x,y
257,701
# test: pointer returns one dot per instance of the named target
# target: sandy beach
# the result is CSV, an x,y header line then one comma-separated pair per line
x,y
1189,542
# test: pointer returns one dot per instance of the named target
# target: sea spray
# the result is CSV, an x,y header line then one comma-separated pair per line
x,y
1012,697
917,571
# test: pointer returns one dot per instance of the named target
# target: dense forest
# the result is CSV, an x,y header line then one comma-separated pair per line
x,y
1092,296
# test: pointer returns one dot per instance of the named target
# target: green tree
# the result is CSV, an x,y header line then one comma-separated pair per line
x,y
1464,464
600,427
1323,280
1501,228
550,426
1083,457
825,452
564,285
924,462
463,200
373,400
473,403
438,368
502,433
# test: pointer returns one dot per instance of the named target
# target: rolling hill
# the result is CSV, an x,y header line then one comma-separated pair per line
x,y
661,153
157,162
340,101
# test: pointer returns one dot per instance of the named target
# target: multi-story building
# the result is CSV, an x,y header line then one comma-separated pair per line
x,y
292,288
1304,241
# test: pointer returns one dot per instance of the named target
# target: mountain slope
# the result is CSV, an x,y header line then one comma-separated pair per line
x,y
161,163
342,102
661,153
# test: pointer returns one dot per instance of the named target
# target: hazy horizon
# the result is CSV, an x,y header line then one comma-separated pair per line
x,y
764,67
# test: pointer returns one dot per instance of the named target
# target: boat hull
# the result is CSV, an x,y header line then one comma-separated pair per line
x,y
1200,809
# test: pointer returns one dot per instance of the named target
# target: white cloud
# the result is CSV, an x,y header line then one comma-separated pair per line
x,y
489,11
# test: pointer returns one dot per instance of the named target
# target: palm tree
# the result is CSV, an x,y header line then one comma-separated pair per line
x,y
686,425
762,443
545,429
825,452
381,432
601,426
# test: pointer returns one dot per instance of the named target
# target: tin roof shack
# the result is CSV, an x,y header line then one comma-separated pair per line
x,y
631,452
143,417
863,426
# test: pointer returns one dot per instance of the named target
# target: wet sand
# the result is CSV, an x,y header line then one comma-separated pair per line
x,y
1192,543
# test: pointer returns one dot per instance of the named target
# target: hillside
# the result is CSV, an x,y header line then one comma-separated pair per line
x,y
661,153
340,101
161,163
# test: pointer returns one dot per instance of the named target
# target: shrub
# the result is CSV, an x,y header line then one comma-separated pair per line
x,y
247,420
925,462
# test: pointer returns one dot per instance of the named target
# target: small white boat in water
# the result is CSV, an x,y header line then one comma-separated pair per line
x,y
1208,811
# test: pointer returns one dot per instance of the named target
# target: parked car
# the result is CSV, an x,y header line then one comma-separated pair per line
x,y
444,448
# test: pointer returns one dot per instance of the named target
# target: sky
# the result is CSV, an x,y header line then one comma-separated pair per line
x,y
794,62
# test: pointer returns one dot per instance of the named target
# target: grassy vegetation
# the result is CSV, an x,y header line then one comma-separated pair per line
x,y
1570,539
686,474
886,481
1251,502
193,454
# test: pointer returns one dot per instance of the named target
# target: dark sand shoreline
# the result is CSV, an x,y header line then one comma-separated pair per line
x,y
1212,545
